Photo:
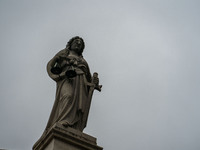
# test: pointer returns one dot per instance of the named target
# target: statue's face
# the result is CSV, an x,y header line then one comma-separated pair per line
x,y
77,46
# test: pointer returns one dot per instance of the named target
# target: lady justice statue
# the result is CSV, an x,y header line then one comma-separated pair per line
x,y
75,86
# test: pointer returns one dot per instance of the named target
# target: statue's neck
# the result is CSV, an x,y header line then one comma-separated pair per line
x,y
72,53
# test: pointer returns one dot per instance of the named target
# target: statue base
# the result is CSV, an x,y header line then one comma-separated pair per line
x,y
66,138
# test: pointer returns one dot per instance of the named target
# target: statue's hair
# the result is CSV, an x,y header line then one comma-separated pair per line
x,y
68,46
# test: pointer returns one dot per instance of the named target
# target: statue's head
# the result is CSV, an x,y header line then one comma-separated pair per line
x,y
76,44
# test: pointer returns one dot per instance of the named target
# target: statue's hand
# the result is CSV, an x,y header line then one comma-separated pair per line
x,y
62,75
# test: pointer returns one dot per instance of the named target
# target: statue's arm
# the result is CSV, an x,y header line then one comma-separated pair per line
x,y
51,64
86,70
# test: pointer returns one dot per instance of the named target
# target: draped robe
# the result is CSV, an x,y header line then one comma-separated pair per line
x,y
71,93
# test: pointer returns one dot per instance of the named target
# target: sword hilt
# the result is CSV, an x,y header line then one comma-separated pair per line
x,y
97,86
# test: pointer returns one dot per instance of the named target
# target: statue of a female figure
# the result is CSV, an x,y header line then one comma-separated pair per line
x,y
74,86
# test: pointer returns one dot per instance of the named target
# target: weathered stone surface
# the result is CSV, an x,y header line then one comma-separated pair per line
x,y
75,86
66,138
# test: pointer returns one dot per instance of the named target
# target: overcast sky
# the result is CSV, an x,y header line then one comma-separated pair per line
x,y
147,54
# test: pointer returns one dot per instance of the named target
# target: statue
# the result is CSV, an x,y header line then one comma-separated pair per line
x,y
75,86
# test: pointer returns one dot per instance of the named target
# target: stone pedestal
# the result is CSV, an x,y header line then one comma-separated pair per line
x,y
61,138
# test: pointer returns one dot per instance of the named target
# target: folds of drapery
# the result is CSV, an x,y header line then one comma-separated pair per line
x,y
71,96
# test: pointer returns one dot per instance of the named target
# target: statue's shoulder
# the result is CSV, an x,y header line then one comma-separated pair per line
x,y
62,52
83,60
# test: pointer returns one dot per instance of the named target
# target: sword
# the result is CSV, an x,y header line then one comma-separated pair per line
x,y
92,88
